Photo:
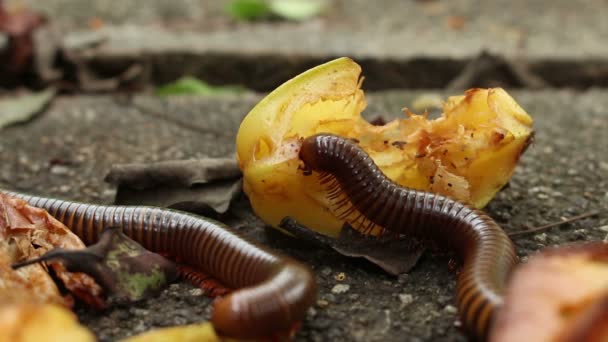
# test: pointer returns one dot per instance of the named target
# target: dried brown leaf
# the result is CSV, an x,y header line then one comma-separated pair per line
x,y
19,24
395,256
126,270
32,285
183,173
201,186
30,232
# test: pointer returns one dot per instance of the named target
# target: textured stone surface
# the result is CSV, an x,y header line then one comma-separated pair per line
x,y
401,44
67,150
359,28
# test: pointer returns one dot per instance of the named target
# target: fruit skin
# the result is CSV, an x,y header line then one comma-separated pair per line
x,y
469,153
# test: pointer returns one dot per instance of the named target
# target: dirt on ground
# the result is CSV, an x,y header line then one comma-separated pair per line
x,y
66,152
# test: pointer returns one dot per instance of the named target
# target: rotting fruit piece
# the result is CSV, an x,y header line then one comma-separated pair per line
x,y
469,153
560,294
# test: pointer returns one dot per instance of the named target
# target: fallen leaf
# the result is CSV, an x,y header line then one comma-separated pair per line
x,y
32,285
125,270
174,173
395,256
201,199
35,323
30,232
247,9
187,333
18,23
192,86
560,294
22,108
89,80
487,69
297,9
47,42
201,186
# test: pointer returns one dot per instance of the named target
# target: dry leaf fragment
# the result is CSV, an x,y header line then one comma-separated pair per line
x,y
23,107
126,270
202,186
31,232
395,256
19,24
32,285
183,173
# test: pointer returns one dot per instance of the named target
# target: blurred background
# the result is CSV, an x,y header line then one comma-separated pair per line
x,y
103,45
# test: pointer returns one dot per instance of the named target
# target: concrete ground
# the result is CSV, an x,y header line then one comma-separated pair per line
x,y
402,44
66,152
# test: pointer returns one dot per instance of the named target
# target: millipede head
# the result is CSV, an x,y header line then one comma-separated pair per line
x,y
309,154
316,149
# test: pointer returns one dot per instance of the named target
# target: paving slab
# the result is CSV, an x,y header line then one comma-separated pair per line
x,y
413,44
67,150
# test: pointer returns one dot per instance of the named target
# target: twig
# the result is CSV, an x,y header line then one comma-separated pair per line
x,y
555,224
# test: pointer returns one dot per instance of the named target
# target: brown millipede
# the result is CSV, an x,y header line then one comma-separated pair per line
x,y
365,198
274,292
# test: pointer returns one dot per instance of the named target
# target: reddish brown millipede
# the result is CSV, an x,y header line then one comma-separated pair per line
x,y
365,198
273,292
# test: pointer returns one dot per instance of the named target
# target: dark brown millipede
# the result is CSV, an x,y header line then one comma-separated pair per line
x,y
364,197
274,292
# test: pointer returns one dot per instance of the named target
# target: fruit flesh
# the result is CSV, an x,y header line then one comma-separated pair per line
x,y
469,153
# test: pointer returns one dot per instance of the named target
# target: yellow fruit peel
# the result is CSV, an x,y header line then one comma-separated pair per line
x,y
21,322
203,332
469,153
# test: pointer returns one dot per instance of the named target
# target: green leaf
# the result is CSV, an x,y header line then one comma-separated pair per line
x,y
23,108
297,9
192,86
247,9
123,268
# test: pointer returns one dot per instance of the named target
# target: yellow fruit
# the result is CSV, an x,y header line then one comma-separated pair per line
x,y
202,332
21,322
469,153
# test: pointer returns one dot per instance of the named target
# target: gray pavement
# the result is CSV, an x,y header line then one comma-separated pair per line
x,y
67,150
407,44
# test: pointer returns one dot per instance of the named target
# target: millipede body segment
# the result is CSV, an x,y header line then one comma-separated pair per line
x,y
273,292
365,198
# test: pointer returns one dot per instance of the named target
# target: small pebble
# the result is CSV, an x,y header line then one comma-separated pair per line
x,y
406,298
340,288
196,292
326,271
59,169
450,309
542,238
403,278
322,303
542,196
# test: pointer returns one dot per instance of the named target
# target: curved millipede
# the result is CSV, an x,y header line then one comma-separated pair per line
x,y
274,291
365,198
